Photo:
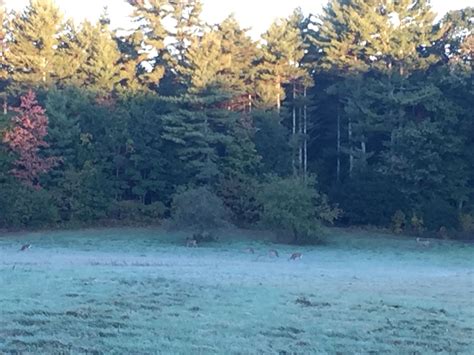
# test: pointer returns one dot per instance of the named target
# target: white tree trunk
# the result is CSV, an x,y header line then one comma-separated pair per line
x,y
305,133
351,155
338,158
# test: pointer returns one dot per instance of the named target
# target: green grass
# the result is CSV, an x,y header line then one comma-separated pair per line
x,y
140,291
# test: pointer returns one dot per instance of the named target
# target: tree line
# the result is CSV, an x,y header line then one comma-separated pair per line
x,y
361,114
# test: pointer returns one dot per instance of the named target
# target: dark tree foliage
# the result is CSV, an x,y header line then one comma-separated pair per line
x,y
375,100
198,209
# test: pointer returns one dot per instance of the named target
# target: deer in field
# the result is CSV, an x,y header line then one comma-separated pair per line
x,y
25,247
423,242
249,251
191,243
296,256
273,253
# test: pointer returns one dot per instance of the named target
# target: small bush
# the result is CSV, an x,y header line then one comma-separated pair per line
x,y
154,211
200,210
399,222
466,221
23,206
417,224
295,207
136,211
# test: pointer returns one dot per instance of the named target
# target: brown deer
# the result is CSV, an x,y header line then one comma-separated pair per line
x,y
191,243
273,253
296,256
25,247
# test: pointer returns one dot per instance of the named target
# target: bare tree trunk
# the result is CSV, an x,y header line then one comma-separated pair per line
x,y
305,133
351,156
363,148
293,131
44,70
5,104
338,159
300,142
278,87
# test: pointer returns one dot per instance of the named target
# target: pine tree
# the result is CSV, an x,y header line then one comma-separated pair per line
x,y
3,31
356,35
206,62
100,68
187,25
33,56
148,53
240,51
209,141
222,58
389,41
279,61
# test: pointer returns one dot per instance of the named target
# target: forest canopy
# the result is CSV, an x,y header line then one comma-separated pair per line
x,y
373,97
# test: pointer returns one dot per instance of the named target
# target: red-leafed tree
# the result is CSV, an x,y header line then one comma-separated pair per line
x,y
26,139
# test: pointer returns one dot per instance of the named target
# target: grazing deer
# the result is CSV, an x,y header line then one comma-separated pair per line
x,y
296,256
273,253
191,243
249,250
423,242
25,247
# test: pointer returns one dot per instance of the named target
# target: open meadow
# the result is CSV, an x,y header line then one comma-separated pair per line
x,y
141,291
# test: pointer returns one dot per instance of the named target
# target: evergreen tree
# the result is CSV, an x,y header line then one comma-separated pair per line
x,y
240,50
206,62
101,67
187,25
34,57
147,58
279,61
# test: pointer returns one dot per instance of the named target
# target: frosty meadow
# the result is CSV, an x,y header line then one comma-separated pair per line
x,y
97,292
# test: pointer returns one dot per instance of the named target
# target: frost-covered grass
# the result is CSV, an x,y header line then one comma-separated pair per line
x,y
139,291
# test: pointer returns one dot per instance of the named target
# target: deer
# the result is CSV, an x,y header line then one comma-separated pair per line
x,y
423,242
25,247
191,243
273,253
249,250
296,256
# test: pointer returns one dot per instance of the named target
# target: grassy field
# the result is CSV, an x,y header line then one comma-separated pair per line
x,y
139,291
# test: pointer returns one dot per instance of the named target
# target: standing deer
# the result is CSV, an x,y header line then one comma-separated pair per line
x,y
273,253
25,247
191,243
296,256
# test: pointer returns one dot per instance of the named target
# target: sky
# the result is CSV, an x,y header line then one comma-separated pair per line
x,y
255,14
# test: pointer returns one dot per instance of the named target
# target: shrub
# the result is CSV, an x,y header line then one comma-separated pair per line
x,y
417,224
295,207
467,222
24,206
399,222
154,211
198,209
136,211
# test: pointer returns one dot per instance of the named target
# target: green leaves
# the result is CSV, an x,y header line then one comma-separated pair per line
x,y
295,207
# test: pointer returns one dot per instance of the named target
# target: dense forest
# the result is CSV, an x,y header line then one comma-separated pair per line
x,y
359,115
